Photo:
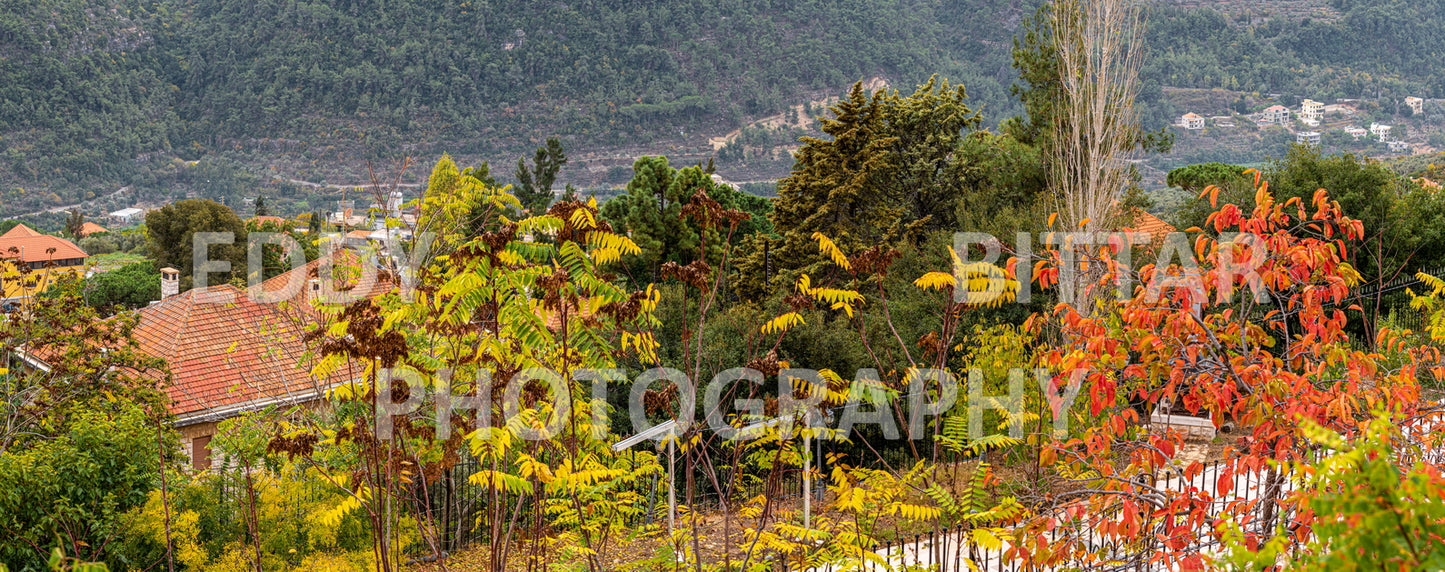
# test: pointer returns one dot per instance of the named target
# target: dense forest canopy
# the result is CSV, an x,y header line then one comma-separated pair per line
x,y
1376,47
100,94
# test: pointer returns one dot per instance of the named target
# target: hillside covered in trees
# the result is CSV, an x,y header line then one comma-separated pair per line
x,y
172,97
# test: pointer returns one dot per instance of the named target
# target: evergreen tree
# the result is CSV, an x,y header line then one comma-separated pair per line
x,y
651,213
891,170
534,185
261,209
74,222
1037,62
133,286
1194,178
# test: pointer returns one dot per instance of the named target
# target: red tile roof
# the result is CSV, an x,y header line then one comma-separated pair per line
x,y
29,246
230,352
225,351
346,270
20,231
90,228
1145,222
268,219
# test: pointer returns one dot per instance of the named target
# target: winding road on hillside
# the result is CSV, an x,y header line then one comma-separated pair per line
x,y
64,208
312,185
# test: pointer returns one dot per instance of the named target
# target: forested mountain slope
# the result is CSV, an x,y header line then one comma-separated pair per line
x,y
211,97
90,85
1371,48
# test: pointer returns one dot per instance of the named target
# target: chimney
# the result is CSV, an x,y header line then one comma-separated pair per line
x,y
170,282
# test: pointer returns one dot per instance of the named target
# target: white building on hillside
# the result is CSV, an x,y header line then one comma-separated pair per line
x,y
127,217
1381,131
1192,121
1275,115
1416,104
1307,138
1311,112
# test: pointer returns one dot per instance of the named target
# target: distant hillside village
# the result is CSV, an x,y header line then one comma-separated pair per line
x,y
1314,123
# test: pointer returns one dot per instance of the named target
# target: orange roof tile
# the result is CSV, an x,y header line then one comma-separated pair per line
x,y
1142,221
267,219
345,270
227,352
230,350
20,231
29,246
90,228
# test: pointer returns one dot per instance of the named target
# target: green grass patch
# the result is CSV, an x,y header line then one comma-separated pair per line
x,y
113,261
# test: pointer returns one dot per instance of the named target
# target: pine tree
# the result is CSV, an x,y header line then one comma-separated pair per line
x,y
261,209
891,170
534,185
651,212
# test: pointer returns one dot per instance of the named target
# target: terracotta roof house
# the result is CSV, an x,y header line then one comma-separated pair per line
x,y
1192,121
1139,220
20,231
90,228
358,238
226,351
30,262
232,350
339,277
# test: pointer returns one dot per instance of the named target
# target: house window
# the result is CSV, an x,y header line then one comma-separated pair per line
x,y
201,453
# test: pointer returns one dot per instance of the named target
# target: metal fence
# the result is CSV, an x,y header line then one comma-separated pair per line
x,y
457,506
1251,500
1249,497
